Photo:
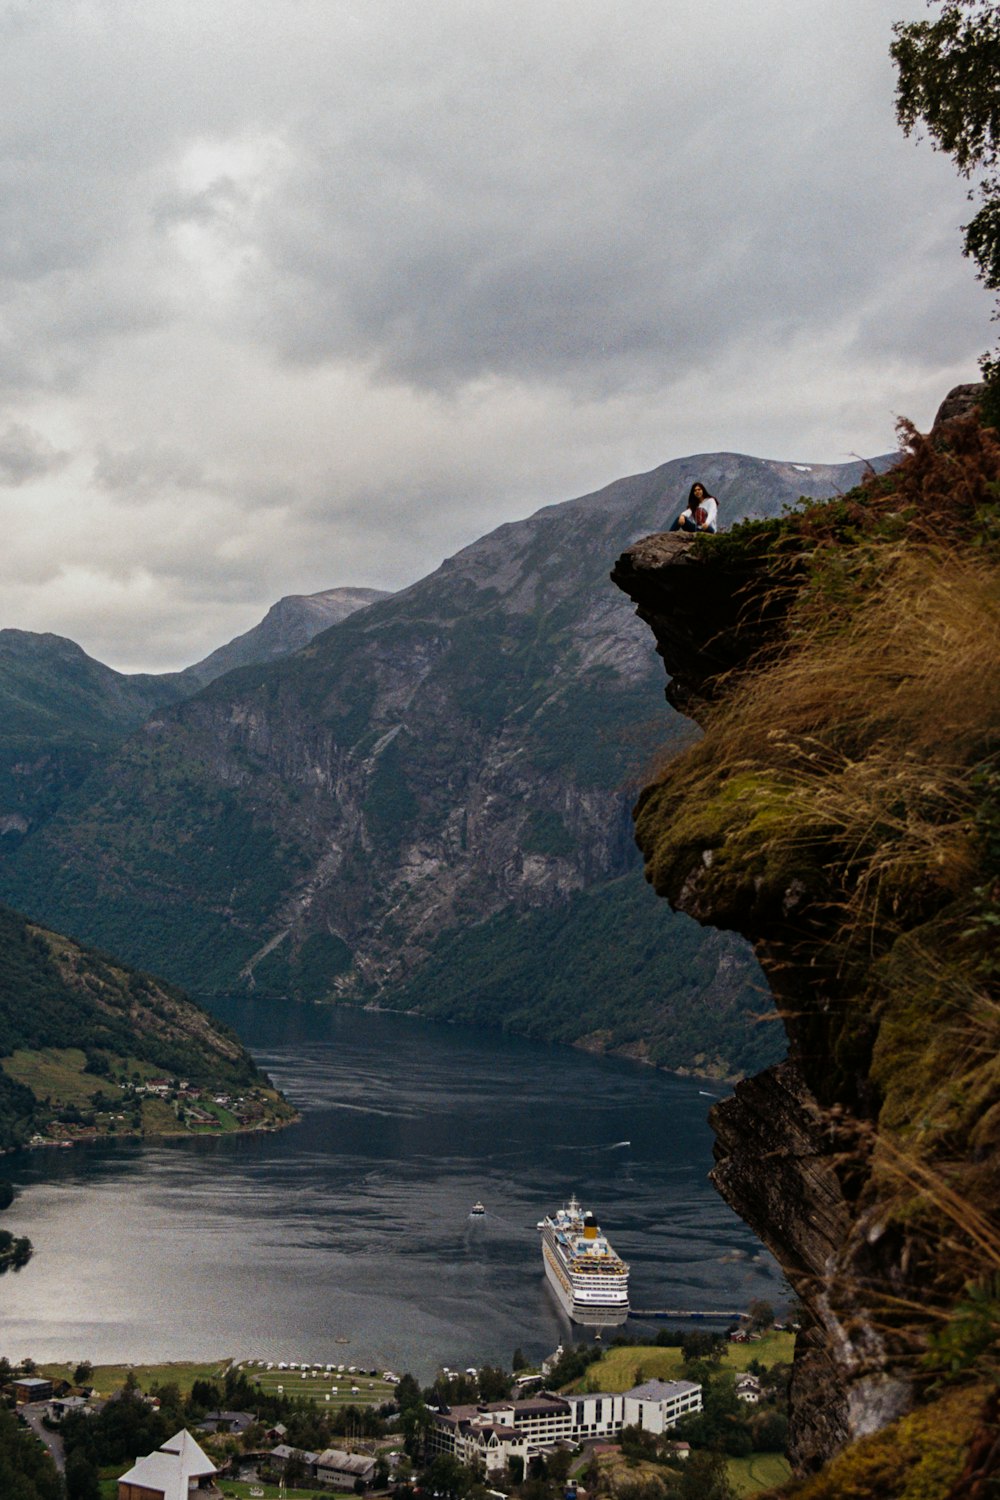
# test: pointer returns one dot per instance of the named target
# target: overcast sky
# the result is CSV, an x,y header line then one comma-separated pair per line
x,y
301,293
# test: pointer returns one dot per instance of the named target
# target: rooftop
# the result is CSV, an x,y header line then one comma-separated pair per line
x,y
662,1390
171,1468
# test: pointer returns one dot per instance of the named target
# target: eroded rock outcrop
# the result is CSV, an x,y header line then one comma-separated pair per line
x,y
841,812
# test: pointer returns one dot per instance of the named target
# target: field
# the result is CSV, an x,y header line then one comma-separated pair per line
x,y
620,1369
318,1385
108,1378
772,1349
758,1471
57,1073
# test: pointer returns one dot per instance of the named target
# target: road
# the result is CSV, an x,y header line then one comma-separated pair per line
x,y
33,1413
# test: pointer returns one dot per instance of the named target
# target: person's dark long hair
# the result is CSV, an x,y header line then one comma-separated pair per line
x,y
693,499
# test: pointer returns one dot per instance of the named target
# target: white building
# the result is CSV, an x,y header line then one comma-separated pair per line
x,y
748,1388
494,1432
177,1471
659,1404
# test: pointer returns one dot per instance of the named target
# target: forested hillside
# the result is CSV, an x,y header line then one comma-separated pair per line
x,y
77,1028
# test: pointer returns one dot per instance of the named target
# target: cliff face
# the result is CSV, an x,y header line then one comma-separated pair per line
x,y
841,812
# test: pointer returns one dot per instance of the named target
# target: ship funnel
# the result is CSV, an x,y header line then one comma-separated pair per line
x,y
589,1227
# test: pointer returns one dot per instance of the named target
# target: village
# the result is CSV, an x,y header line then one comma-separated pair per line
x,y
630,1422
138,1105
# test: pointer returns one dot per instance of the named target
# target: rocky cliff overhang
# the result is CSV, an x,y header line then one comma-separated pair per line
x,y
829,816
778,1156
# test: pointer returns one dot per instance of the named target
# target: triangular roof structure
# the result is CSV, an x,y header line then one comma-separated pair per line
x,y
171,1468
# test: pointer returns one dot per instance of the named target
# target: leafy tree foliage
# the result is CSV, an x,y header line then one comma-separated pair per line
x,y
761,1314
949,82
572,1363
26,1471
697,1343
82,1479
494,1383
453,1390
125,1428
15,1251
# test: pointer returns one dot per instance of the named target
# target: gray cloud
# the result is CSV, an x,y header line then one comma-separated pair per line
x,y
317,291
139,474
26,455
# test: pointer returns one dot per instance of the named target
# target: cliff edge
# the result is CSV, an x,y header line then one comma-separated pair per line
x,y
842,812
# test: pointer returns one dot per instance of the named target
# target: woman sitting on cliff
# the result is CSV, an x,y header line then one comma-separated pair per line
x,y
702,511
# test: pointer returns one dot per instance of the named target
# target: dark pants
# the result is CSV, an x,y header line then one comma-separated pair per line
x,y
686,524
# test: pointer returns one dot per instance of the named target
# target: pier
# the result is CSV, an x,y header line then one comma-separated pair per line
x,y
686,1312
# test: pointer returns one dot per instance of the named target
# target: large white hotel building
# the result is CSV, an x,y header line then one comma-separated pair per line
x,y
494,1432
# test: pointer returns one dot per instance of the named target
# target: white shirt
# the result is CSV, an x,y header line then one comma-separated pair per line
x,y
711,508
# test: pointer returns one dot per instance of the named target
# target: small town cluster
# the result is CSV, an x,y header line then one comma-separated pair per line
x,y
473,1435
123,1107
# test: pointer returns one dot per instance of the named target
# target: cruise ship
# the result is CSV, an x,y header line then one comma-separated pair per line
x,y
588,1278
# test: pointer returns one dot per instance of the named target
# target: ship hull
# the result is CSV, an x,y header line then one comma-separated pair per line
x,y
593,1309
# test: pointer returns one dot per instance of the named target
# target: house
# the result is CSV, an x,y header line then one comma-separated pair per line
x,y
31,1388
177,1471
748,1388
344,1470
280,1457
59,1407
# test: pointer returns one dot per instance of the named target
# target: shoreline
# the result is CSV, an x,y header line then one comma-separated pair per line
x,y
372,1007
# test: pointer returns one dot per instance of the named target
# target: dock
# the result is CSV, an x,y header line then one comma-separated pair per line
x,y
686,1312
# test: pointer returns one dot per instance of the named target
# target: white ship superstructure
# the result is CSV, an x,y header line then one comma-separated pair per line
x,y
588,1278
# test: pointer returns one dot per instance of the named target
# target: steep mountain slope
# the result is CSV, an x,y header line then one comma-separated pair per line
x,y
62,712
288,625
79,1032
466,748
843,812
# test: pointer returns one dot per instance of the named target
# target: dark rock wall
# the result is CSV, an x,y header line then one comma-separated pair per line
x,y
800,1153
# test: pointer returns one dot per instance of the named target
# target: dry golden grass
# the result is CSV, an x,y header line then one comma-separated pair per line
x,y
861,741
848,764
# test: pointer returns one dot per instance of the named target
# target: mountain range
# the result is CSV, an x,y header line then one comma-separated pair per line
x,y
62,712
427,805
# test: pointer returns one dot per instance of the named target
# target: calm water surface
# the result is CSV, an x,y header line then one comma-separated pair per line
x,y
346,1237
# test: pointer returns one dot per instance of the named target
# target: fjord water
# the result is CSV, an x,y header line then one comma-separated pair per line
x,y
347,1236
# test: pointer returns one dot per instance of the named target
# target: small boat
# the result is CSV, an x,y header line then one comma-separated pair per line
x,y
477,1210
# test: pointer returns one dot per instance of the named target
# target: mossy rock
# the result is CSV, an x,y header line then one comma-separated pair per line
x,y
917,1458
